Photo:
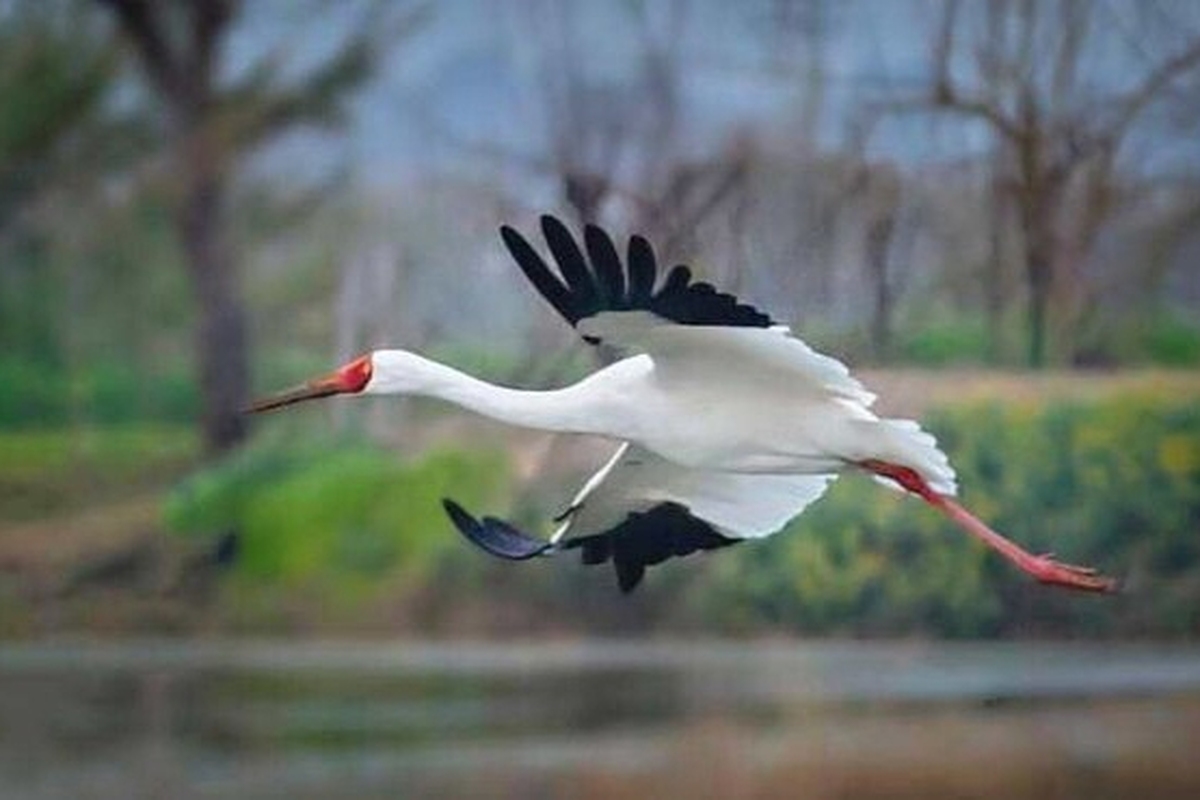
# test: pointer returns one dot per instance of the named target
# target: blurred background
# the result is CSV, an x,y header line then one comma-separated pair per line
x,y
992,209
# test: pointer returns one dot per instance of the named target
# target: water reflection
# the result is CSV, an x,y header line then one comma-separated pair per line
x,y
587,718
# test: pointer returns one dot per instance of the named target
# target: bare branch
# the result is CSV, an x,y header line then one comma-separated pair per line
x,y
943,50
948,97
209,20
142,24
1157,81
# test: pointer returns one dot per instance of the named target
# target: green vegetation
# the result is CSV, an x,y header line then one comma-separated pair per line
x,y
957,341
49,472
35,394
1166,339
343,511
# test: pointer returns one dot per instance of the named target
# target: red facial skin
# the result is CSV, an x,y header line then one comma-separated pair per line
x,y
355,376
350,379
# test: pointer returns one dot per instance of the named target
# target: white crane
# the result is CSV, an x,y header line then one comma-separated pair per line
x,y
728,425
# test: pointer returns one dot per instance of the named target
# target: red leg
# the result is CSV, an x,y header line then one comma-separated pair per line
x,y
1044,568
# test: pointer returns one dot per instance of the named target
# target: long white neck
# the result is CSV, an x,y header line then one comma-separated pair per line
x,y
570,410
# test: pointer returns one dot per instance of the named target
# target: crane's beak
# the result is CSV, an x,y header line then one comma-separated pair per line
x,y
350,379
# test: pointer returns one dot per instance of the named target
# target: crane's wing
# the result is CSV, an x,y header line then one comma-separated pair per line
x,y
623,304
699,338
639,510
598,281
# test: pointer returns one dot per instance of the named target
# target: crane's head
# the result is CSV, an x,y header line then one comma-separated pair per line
x,y
353,378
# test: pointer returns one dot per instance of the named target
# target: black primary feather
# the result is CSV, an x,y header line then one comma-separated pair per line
x,y
642,271
599,281
572,265
642,540
650,537
495,535
610,274
546,282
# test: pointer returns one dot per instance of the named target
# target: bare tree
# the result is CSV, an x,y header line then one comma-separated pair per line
x,y
211,125
876,189
1059,136
612,143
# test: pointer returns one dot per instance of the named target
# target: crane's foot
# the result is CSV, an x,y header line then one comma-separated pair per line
x,y
1044,568
1049,570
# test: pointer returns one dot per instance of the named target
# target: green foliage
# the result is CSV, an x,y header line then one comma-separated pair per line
x,y
54,75
342,510
1151,336
1114,484
34,394
1171,342
50,471
933,343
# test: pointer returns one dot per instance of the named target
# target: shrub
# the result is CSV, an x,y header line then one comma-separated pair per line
x,y
1171,342
962,341
105,392
346,510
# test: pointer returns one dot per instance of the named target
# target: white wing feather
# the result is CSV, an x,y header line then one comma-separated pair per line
x,y
765,351
738,505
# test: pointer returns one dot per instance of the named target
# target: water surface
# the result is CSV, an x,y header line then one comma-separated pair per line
x,y
590,718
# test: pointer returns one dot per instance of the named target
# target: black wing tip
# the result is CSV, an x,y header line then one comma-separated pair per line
x,y
601,282
494,536
458,515
646,538
629,575
641,541
512,237
550,222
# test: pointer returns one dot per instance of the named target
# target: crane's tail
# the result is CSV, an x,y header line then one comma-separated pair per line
x,y
904,442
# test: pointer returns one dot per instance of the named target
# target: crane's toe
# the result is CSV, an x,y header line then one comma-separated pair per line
x,y
1046,569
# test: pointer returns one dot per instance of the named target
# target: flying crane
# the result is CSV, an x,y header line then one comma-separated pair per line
x,y
727,424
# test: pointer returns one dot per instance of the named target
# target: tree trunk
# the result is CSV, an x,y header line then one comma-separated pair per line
x,y
221,333
993,279
1038,200
182,68
879,236
1038,275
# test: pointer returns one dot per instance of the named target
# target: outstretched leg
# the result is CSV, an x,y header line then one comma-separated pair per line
x,y
1044,568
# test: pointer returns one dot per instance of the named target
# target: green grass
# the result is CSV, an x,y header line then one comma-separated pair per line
x,y
44,472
